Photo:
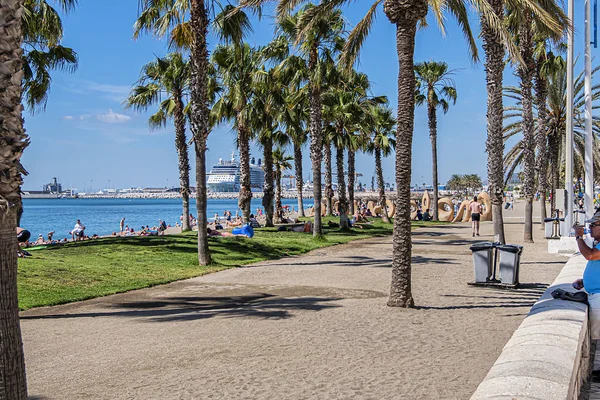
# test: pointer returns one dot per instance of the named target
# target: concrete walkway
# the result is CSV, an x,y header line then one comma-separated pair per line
x,y
309,327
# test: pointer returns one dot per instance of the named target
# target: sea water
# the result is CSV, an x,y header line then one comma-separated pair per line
x,y
102,216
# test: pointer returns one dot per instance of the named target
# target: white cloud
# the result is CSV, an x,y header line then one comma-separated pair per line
x,y
113,118
68,118
117,93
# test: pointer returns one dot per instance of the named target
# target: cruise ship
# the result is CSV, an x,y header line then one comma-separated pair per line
x,y
225,176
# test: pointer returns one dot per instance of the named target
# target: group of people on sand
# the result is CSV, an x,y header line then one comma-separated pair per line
x,y
125,230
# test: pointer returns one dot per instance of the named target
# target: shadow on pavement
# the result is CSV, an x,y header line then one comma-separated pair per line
x,y
263,306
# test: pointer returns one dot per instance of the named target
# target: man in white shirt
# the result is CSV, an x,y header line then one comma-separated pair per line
x,y
77,232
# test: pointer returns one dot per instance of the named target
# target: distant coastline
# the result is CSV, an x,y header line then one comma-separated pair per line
x,y
175,195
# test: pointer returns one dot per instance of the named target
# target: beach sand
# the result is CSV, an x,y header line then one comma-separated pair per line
x,y
309,327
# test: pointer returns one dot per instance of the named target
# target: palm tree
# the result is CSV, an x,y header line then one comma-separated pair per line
x,y
281,161
316,35
237,67
23,73
436,89
456,182
168,17
329,194
551,17
554,125
186,23
294,116
42,51
545,64
340,142
168,76
382,143
405,16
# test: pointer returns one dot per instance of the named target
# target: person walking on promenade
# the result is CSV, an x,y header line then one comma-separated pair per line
x,y
122,224
476,210
591,275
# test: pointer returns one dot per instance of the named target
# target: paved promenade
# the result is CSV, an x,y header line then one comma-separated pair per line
x,y
309,327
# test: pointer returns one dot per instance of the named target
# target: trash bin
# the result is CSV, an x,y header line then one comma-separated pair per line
x,y
548,227
483,260
510,258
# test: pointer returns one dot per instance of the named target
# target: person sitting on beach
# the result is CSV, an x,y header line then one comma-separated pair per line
x,y
419,215
427,216
253,221
162,227
214,232
237,222
50,234
95,236
39,241
78,231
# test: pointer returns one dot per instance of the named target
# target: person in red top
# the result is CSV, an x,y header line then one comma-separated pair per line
x,y
476,210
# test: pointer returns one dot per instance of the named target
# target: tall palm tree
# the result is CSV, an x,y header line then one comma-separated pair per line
x,y
186,23
281,162
547,14
238,66
436,89
328,132
292,74
340,142
169,77
554,125
42,51
382,143
24,73
169,17
405,16
316,35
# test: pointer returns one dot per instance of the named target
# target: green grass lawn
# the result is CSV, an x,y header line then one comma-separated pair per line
x,y
83,270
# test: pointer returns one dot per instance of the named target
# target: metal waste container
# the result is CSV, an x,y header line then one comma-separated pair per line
x,y
483,260
510,258
548,227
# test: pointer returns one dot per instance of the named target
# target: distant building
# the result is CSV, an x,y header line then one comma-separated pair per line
x,y
53,187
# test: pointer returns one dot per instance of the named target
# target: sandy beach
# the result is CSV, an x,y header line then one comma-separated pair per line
x,y
309,327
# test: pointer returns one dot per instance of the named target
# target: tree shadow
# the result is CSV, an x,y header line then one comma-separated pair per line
x,y
261,306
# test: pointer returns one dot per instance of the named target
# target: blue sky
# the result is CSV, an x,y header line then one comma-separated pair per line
x,y
87,139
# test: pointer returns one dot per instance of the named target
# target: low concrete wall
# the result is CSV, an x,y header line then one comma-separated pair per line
x,y
548,355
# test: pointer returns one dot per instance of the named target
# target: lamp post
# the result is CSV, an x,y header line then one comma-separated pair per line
x,y
569,134
589,142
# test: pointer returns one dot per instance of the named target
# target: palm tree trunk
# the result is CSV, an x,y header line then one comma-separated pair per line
x,y
494,68
267,200
184,162
341,188
278,205
351,177
405,16
316,143
433,137
541,140
381,186
328,180
525,72
556,169
299,178
199,117
13,143
245,195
